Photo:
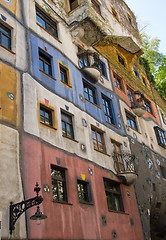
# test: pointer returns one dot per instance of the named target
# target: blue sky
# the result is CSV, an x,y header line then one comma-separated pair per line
x,y
151,14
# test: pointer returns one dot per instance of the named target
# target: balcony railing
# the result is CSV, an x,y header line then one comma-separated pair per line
x,y
89,63
125,166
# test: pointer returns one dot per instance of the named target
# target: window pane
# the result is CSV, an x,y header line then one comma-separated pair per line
x,y
40,21
5,41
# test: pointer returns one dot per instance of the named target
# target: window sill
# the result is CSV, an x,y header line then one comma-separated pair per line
x,y
60,202
87,203
48,126
70,139
66,85
47,74
112,125
120,89
92,103
49,33
102,152
118,212
134,130
7,49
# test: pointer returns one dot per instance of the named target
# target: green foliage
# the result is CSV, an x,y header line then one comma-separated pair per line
x,y
154,63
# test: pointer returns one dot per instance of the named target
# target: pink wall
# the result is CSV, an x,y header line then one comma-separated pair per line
x,y
75,220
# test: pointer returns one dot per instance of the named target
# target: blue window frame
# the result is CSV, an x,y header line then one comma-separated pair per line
x,y
5,36
102,68
89,92
108,110
45,63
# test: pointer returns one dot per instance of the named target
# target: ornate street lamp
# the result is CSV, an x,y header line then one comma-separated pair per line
x,y
17,209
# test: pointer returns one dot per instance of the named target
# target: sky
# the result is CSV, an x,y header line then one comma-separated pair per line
x,y
151,16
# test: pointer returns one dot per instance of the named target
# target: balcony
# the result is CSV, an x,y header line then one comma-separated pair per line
x,y
89,62
138,106
125,166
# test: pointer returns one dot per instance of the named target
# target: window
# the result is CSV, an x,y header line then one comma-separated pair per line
x,y
131,121
73,4
114,12
161,136
163,117
130,96
136,72
148,106
67,125
46,116
144,81
96,6
89,92
108,110
45,63
163,171
98,140
121,60
44,21
84,193
5,36
117,81
63,74
58,184
102,68
113,194
84,60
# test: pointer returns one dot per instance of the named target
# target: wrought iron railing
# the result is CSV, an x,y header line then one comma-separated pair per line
x,y
88,59
124,162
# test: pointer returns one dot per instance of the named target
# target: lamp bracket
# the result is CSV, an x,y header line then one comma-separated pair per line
x,y
17,209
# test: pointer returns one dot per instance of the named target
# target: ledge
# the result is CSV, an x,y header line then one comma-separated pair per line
x,y
124,213
65,84
112,125
48,126
49,33
102,152
135,130
92,103
87,203
47,74
60,202
70,139
7,49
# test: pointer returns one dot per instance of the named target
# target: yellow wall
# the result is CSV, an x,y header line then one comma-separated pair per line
x,y
10,83
12,6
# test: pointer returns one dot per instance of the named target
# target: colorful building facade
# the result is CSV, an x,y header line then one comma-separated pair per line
x,y
79,116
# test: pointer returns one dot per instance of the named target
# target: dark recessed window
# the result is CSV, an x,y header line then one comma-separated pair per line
x,y
96,6
58,184
102,68
108,110
44,21
89,92
161,136
136,72
144,81
148,106
130,96
67,125
113,194
5,36
163,171
131,120
98,140
73,4
84,192
121,60
117,81
84,60
45,63
114,12
63,74
46,116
